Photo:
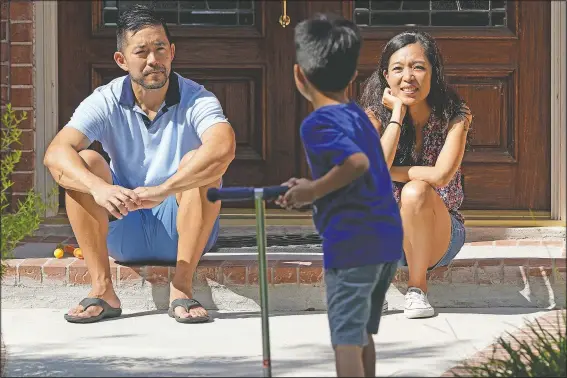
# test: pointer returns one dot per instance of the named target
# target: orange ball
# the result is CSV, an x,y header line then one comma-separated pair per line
x,y
78,253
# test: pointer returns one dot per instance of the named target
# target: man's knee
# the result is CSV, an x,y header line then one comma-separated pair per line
x,y
415,195
96,164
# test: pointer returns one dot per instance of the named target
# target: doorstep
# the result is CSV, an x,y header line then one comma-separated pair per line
x,y
501,273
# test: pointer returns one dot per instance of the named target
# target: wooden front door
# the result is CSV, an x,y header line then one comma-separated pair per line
x,y
497,55
236,49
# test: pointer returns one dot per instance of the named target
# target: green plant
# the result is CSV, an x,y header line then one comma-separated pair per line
x,y
543,354
15,225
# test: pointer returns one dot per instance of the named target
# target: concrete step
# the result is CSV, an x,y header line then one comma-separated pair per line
x,y
520,275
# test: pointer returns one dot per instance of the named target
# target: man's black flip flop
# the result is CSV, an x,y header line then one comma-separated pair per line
x,y
107,311
187,304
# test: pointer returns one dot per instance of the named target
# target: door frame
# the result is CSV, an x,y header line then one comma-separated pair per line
x,y
47,110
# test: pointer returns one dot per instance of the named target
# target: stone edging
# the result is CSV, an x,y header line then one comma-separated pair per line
x,y
72,271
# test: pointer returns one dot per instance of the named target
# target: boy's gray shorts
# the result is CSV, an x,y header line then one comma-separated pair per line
x,y
354,301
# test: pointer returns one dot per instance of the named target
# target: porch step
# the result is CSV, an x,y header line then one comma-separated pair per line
x,y
227,280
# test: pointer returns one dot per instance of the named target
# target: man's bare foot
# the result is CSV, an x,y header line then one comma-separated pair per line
x,y
180,291
100,290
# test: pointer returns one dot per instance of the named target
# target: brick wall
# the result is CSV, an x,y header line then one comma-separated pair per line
x,y
18,75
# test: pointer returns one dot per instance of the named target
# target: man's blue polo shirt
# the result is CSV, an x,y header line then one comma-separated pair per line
x,y
144,152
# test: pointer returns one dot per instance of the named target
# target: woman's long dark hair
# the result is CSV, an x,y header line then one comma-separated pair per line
x,y
443,100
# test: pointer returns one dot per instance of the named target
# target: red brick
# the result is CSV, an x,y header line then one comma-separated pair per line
x,y
55,270
440,274
5,96
79,274
4,10
26,141
27,123
3,31
205,273
489,274
542,262
21,32
540,272
21,76
513,275
506,242
21,54
11,273
21,10
254,274
234,275
27,162
310,275
286,275
30,270
481,243
5,70
130,275
156,275
15,198
530,242
515,262
21,97
463,274
553,243
560,264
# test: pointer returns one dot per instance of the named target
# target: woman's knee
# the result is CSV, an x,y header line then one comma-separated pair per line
x,y
416,196
96,164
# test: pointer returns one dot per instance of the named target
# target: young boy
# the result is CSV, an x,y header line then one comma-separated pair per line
x,y
353,206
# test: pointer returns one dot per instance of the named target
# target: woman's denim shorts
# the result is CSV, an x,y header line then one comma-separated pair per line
x,y
457,241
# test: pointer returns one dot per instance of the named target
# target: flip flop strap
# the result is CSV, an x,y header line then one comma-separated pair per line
x,y
89,302
187,304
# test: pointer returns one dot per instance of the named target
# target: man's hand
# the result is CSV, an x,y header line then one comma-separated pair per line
x,y
117,200
150,196
301,193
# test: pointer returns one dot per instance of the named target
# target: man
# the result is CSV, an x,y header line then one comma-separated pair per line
x,y
169,142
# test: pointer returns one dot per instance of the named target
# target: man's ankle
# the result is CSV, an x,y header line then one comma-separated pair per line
x,y
102,285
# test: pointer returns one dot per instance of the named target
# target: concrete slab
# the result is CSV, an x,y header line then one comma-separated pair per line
x,y
41,343
314,252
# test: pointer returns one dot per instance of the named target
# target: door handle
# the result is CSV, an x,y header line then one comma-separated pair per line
x,y
284,18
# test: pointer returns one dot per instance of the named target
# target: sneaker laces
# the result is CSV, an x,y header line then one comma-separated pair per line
x,y
415,295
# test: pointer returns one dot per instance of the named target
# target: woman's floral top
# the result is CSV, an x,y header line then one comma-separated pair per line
x,y
433,140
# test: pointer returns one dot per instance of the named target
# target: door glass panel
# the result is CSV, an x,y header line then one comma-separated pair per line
x,y
189,12
486,13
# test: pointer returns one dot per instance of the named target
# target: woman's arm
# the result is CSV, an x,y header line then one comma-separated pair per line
x,y
391,135
450,157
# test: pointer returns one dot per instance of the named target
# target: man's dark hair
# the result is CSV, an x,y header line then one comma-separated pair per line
x,y
327,49
135,19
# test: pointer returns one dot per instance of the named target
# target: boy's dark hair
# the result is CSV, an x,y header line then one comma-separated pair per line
x,y
135,19
327,49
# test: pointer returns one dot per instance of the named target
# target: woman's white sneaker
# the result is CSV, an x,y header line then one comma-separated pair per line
x,y
417,305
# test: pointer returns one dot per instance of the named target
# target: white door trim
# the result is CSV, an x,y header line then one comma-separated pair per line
x,y
46,92
558,114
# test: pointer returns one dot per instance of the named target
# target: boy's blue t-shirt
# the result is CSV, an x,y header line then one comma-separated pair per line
x,y
360,224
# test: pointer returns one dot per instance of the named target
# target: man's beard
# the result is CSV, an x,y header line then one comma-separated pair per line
x,y
140,81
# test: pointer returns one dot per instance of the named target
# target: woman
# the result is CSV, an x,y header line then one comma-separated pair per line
x,y
424,128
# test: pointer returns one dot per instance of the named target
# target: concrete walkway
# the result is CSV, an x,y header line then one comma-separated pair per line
x,y
41,343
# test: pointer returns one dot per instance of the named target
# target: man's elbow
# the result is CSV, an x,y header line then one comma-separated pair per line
x,y
360,164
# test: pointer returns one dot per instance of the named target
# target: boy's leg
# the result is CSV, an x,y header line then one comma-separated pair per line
x,y
348,303
386,273
89,222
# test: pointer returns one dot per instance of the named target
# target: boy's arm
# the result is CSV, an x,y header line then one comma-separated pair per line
x,y
341,175
339,151
303,192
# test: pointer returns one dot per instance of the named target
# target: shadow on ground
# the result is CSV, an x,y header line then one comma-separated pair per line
x,y
317,360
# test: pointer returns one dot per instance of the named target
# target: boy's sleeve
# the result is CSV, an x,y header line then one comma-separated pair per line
x,y
328,141
91,116
206,112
